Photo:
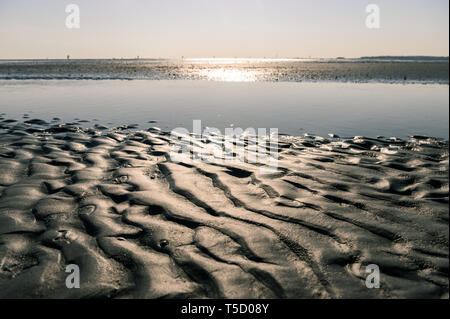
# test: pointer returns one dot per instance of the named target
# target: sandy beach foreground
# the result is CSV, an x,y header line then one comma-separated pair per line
x,y
140,226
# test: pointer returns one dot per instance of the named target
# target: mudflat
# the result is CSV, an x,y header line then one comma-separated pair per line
x,y
139,225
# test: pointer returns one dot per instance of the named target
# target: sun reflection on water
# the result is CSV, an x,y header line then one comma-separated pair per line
x,y
229,75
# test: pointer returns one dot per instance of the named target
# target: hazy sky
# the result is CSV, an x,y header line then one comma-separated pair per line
x,y
222,28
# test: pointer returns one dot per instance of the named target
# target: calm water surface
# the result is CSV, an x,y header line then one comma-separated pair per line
x,y
346,109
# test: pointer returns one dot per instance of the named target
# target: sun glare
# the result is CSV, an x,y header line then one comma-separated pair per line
x,y
229,75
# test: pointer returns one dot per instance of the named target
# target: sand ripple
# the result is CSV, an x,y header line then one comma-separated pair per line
x,y
141,226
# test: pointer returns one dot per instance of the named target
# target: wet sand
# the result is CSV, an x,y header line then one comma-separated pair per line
x,y
352,70
140,226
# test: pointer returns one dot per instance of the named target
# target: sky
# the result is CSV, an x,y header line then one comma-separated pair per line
x,y
222,28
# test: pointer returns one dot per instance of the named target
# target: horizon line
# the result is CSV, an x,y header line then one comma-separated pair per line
x,y
68,57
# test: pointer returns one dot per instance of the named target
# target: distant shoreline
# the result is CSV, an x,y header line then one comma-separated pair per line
x,y
411,58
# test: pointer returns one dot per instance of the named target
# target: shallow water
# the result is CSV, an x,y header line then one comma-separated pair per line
x,y
346,109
